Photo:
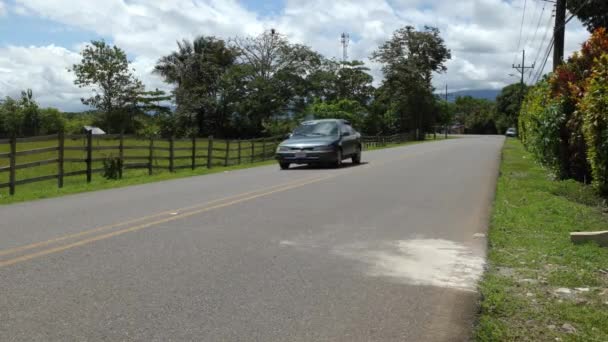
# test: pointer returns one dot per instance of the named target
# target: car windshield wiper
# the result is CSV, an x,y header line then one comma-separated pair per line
x,y
315,134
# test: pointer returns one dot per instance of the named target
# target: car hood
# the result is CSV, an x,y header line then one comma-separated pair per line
x,y
308,142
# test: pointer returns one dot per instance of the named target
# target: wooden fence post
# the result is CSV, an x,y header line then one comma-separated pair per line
x,y
252,151
121,153
263,149
171,154
89,159
210,152
61,138
193,151
239,151
13,162
227,153
150,155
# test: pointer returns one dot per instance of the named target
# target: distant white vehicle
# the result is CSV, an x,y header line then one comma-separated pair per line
x,y
511,132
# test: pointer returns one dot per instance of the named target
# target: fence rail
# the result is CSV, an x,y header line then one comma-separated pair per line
x,y
162,154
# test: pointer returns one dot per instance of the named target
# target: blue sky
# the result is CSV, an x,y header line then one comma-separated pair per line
x,y
19,29
40,39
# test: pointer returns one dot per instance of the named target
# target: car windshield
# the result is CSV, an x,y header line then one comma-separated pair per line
x,y
313,129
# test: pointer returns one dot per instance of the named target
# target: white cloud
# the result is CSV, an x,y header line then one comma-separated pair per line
x,y
2,9
482,34
44,70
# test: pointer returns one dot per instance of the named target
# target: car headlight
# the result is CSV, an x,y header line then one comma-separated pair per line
x,y
282,148
323,148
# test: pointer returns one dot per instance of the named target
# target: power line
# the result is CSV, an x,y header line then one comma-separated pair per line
x,y
542,68
540,19
521,28
532,16
539,51
558,27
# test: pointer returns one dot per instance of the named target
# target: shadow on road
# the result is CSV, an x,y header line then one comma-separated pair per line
x,y
324,167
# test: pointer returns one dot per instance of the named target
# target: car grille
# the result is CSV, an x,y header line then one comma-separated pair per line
x,y
301,149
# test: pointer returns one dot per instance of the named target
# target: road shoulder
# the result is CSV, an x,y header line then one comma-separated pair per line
x,y
539,286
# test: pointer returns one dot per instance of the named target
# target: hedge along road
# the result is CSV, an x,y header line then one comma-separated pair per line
x,y
389,250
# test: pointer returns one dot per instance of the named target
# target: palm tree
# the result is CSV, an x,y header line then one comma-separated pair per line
x,y
196,69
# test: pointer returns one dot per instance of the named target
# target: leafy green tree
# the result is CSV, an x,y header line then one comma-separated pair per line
x,y
201,72
322,81
409,60
593,13
106,69
508,104
478,115
277,77
446,112
51,121
353,82
11,117
31,114
383,117
346,109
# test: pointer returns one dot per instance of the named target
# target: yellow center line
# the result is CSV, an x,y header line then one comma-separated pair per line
x,y
118,224
31,256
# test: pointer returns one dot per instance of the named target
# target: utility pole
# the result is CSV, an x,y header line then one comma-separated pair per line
x,y
558,33
521,68
447,111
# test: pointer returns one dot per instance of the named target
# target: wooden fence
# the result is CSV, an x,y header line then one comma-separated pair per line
x,y
83,155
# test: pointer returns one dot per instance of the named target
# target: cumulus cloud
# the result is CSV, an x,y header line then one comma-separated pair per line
x,y
481,34
44,69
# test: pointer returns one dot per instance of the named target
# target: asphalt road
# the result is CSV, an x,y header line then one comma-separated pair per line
x,y
386,251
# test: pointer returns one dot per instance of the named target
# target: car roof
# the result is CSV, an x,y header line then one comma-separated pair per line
x,y
309,122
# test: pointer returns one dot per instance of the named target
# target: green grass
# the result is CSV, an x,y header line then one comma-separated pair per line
x,y
76,184
530,256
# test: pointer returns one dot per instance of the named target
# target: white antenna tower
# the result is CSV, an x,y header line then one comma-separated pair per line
x,y
345,38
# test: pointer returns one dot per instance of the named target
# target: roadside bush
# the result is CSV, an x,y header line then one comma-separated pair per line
x,y
112,167
540,122
594,108
569,83
562,119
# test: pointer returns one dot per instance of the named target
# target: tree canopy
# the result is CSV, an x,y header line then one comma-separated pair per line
x,y
409,60
593,13
247,87
106,70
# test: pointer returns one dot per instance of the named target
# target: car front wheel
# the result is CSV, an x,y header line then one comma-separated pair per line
x,y
357,156
338,161
284,166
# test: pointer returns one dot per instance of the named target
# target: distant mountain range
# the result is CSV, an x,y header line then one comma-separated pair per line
x,y
488,94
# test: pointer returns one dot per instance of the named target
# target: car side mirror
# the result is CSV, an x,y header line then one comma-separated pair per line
x,y
345,134
288,136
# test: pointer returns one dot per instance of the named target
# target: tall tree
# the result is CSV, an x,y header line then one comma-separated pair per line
x,y
200,71
277,76
354,82
106,69
409,60
593,13
31,114
508,103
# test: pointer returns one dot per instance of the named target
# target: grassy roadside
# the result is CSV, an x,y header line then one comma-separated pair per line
x,y
77,184
539,286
